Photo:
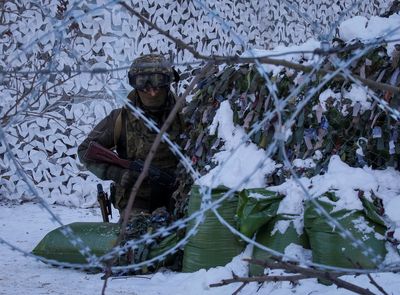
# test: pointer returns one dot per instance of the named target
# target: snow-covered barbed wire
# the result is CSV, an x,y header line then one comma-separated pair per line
x,y
206,204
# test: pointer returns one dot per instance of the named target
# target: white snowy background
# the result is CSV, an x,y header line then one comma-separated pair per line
x,y
44,138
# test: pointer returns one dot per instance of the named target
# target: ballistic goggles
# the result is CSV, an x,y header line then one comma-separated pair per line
x,y
153,80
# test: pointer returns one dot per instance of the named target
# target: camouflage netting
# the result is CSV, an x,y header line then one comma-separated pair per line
x,y
343,128
333,122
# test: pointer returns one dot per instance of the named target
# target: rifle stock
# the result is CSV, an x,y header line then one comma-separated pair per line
x,y
98,153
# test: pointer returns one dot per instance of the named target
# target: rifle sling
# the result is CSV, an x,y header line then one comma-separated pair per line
x,y
118,128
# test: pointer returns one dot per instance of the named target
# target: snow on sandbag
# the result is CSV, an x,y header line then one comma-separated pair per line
x,y
277,234
213,244
327,242
256,207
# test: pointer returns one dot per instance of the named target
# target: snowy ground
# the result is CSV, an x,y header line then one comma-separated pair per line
x,y
25,225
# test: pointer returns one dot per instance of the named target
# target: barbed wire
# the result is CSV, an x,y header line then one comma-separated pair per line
x,y
70,18
229,59
65,229
366,251
118,250
247,178
207,204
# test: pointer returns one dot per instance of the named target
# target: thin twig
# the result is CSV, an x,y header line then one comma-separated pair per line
x,y
6,115
240,288
307,69
379,287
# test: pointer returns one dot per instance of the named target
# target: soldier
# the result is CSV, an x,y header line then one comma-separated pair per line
x,y
151,76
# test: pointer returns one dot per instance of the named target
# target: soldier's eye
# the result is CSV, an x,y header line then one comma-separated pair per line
x,y
159,80
141,80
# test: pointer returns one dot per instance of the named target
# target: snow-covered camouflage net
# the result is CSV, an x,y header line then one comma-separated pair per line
x,y
65,63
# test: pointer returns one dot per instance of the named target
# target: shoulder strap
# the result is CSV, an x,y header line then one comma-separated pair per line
x,y
118,127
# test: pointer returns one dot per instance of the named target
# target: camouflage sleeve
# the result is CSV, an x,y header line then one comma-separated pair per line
x,y
103,134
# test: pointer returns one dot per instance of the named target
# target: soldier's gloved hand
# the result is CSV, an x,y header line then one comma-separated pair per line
x,y
128,178
124,177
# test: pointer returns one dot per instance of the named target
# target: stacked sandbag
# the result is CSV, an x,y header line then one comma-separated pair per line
x,y
255,208
213,244
327,242
313,230
258,214
277,234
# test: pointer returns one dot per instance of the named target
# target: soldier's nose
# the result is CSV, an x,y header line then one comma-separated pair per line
x,y
152,91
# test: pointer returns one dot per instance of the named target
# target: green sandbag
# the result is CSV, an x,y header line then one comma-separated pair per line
x,y
371,210
172,260
276,240
213,244
255,212
98,236
163,246
328,247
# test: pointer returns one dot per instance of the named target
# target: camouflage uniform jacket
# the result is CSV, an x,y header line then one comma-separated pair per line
x,y
133,143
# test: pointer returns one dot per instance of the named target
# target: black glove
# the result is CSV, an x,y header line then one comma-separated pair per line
x,y
124,177
128,178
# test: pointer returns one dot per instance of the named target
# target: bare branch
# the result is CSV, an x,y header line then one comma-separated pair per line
x,y
264,60
177,41
310,272
260,279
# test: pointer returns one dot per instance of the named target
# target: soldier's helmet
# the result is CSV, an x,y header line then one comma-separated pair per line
x,y
153,69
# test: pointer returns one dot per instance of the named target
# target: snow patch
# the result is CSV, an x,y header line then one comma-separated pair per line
x,y
298,252
358,94
325,95
307,163
235,169
362,28
283,52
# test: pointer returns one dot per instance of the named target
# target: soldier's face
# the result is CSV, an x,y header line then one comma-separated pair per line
x,y
153,97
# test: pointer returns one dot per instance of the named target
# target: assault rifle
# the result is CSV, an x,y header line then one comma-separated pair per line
x,y
98,153
105,203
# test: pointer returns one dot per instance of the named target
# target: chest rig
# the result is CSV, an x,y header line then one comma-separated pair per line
x,y
133,139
